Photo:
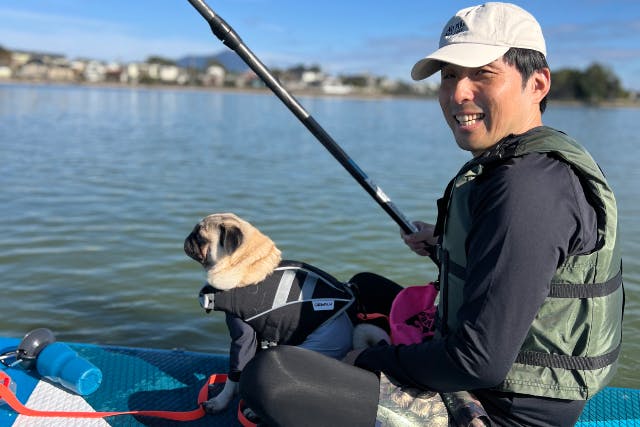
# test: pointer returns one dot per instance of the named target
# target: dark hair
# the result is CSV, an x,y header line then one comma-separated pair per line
x,y
527,61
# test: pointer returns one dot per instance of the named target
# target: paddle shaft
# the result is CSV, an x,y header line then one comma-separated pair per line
x,y
230,38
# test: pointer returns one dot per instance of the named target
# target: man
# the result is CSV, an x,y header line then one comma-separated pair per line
x,y
526,240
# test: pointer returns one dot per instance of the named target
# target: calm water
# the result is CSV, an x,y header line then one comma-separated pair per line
x,y
99,188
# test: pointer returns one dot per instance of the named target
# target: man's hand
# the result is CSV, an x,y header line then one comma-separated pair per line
x,y
422,240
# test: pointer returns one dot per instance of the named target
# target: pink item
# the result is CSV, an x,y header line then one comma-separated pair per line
x,y
413,314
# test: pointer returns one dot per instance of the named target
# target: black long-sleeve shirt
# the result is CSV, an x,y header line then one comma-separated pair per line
x,y
528,214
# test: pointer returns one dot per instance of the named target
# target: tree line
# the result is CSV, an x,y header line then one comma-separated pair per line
x,y
595,84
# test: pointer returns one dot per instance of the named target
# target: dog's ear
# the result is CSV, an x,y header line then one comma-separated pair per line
x,y
230,238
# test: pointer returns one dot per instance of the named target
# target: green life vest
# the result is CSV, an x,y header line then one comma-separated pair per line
x,y
572,347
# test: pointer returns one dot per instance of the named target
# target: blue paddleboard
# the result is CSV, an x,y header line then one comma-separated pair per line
x,y
170,380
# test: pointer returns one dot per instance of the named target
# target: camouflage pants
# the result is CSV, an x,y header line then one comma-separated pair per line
x,y
400,406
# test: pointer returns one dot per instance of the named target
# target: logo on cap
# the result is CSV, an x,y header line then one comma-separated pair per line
x,y
455,28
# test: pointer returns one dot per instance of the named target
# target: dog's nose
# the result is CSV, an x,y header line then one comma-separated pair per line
x,y
191,248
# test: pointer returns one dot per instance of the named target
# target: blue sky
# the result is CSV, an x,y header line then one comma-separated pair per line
x,y
342,36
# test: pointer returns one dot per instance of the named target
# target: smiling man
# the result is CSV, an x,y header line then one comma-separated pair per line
x,y
526,239
523,225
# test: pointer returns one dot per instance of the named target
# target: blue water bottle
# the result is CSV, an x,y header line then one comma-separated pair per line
x,y
57,362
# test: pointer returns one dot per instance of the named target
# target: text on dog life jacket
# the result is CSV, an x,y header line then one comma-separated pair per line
x,y
323,304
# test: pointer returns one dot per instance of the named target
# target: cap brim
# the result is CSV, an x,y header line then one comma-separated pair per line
x,y
463,54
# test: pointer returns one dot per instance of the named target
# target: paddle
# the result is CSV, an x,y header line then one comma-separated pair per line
x,y
230,38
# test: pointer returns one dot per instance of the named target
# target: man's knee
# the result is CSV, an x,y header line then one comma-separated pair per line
x,y
285,384
259,378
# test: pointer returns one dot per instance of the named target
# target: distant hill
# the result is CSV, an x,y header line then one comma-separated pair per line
x,y
229,60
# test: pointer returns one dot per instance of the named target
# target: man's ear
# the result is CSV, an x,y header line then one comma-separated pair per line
x,y
539,83
231,238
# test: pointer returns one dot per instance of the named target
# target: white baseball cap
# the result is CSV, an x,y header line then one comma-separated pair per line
x,y
478,35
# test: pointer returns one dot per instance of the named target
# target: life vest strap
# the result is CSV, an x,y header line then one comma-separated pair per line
x,y
586,290
562,361
10,398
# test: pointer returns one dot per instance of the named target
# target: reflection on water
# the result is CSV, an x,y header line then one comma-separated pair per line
x,y
101,186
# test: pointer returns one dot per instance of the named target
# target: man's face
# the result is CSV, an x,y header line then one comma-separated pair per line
x,y
483,105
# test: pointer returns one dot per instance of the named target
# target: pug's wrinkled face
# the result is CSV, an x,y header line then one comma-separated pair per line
x,y
213,238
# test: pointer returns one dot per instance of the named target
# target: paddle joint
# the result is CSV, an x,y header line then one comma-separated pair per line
x,y
224,32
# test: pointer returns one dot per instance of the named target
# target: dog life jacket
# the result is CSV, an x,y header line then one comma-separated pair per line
x,y
287,306
573,345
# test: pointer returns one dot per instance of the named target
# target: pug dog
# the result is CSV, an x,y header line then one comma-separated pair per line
x,y
267,301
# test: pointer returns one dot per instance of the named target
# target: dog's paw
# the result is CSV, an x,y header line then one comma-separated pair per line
x,y
221,402
367,335
216,405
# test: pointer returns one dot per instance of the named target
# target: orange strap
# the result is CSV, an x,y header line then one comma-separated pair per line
x,y
7,395
371,316
242,418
